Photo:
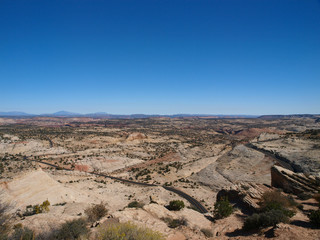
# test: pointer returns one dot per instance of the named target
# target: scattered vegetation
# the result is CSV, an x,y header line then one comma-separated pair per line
x,y
265,219
222,208
135,204
60,204
127,231
175,205
275,208
174,223
276,200
96,212
72,230
22,233
36,209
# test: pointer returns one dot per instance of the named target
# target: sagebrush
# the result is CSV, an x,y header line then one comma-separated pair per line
x,y
127,231
96,212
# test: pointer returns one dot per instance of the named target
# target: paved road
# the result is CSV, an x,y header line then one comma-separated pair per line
x,y
190,199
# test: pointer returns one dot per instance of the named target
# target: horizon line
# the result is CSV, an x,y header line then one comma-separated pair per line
x,y
66,113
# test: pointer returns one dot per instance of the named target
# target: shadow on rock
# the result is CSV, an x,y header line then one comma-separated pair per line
x,y
303,224
239,232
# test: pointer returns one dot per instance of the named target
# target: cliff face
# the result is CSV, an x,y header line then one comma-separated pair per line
x,y
295,183
245,195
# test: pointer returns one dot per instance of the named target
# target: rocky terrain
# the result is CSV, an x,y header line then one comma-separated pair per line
x,y
300,150
207,159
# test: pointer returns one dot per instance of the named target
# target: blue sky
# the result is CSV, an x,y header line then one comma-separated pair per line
x,y
160,56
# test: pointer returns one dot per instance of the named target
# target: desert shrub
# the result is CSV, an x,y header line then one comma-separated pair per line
x,y
222,208
315,217
36,209
135,204
275,208
127,231
266,219
96,212
45,206
207,232
276,198
176,205
174,223
72,230
22,233
60,204
276,201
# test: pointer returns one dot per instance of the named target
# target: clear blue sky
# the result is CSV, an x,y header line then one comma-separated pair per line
x,y
160,56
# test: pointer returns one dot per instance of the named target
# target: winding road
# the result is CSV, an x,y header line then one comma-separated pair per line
x,y
190,199
182,194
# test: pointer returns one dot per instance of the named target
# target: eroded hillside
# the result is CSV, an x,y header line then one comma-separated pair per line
x,y
196,156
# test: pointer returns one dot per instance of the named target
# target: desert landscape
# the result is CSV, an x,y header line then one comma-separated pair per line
x,y
159,120
135,169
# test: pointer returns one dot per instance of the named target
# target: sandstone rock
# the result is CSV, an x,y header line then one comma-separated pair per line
x,y
241,164
159,211
142,218
136,136
195,220
35,187
295,183
246,195
176,236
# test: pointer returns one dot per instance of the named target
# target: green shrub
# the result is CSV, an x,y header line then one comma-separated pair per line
x,y
135,204
275,208
222,209
266,219
176,205
315,218
207,232
72,230
174,223
96,212
126,231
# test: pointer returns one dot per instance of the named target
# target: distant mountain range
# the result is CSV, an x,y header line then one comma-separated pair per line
x,y
289,116
108,115
15,114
